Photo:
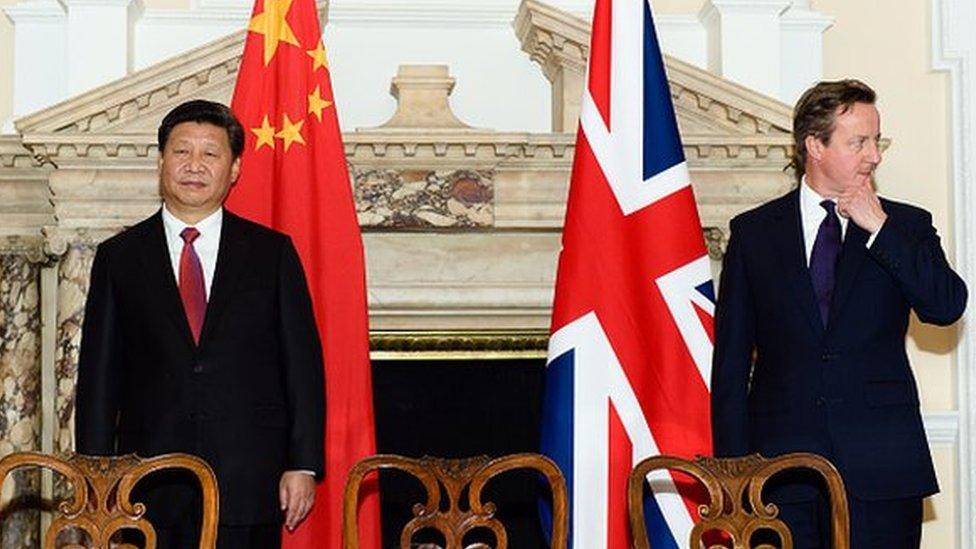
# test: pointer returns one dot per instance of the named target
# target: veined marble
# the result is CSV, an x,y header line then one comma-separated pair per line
x,y
20,411
73,273
407,199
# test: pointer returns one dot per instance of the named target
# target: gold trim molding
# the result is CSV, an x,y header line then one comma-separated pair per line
x,y
458,345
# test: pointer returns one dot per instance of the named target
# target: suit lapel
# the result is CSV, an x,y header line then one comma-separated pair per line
x,y
852,255
788,243
231,260
160,280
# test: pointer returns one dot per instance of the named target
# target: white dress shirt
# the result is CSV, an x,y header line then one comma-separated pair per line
x,y
206,245
812,215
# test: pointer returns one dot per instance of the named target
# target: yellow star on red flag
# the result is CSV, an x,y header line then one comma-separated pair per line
x,y
318,56
272,24
316,104
291,132
265,134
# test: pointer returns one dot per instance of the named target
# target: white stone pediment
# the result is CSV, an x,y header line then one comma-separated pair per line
x,y
705,104
121,117
118,120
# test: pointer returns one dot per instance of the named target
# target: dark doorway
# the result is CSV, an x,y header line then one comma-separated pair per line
x,y
451,409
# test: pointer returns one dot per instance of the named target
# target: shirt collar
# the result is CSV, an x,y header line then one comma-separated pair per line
x,y
174,226
811,211
810,200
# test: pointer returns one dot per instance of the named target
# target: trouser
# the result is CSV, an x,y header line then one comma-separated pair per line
x,y
263,536
888,524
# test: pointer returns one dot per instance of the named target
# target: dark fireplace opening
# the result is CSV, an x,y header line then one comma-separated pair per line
x,y
461,408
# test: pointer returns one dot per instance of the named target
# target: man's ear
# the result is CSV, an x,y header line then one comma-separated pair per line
x,y
235,170
815,147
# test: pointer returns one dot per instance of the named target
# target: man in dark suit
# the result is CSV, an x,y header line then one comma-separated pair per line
x,y
814,303
199,337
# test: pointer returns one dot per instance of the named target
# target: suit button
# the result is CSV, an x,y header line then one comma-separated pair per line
x,y
820,401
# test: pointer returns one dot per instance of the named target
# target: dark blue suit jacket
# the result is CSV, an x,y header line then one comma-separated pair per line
x,y
781,382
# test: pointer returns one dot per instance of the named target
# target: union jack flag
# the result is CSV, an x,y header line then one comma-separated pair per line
x,y
630,351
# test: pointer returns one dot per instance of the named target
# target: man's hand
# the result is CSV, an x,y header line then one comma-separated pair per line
x,y
296,492
861,205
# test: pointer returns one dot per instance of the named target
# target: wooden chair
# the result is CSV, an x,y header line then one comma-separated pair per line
x,y
451,477
735,506
101,488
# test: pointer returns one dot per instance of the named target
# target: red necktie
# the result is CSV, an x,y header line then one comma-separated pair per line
x,y
192,291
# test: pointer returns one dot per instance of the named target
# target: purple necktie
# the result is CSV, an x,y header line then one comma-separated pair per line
x,y
192,291
823,259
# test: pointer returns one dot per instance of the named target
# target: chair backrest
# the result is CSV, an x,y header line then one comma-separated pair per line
x,y
448,478
101,487
734,487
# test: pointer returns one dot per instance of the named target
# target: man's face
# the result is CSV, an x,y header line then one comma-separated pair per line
x,y
853,152
196,169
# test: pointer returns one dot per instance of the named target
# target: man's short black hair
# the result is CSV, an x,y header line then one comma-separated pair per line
x,y
201,110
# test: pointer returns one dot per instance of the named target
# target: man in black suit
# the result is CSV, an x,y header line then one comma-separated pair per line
x,y
199,337
810,328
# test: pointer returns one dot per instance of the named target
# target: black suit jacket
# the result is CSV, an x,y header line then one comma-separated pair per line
x,y
249,398
781,382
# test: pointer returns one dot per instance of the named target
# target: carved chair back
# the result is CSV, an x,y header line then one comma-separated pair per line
x,y
734,488
101,487
445,508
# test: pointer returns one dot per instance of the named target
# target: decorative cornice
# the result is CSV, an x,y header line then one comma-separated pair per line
x,y
30,246
487,147
59,148
211,12
57,240
716,8
805,19
13,154
552,37
381,147
50,12
763,114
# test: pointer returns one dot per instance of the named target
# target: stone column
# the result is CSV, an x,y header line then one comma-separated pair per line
x,y
802,32
75,251
20,374
24,208
99,41
744,41
39,55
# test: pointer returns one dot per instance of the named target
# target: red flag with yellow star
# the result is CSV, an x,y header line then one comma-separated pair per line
x,y
294,179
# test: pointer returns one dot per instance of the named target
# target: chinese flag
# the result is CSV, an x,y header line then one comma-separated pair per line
x,y
294,179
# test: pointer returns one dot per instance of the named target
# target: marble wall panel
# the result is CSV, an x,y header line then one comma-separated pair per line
x,y
424,199
73,274
20,398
